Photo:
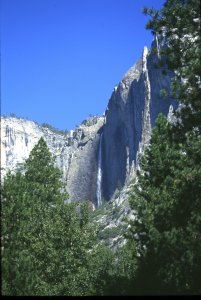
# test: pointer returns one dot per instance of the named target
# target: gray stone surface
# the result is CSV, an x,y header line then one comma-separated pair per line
x,y
131,113
75,153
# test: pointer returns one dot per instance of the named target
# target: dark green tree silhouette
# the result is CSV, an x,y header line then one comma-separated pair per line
x,y
166,197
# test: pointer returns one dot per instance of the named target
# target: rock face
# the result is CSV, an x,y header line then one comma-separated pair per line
x,y
102,154
131,113
75,153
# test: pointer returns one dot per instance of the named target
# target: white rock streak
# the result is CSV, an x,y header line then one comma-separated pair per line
x,y
157,47
146,130
147,123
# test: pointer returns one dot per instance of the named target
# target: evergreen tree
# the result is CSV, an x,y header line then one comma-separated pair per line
x,y
179,21
25,208
16,263
166,197
167,204
43,178
123,267
48,246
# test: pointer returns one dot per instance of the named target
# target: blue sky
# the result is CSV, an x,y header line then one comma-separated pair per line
x,y
60,59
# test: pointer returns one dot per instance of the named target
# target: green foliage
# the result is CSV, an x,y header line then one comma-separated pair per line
x,y
163,93
105,208
116,211
64,266
13,115
167,202
54,129
48,246
122,271
14,217
180,22
110,233
166,198
43,179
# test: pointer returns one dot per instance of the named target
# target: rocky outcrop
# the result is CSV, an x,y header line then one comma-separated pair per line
x,y
131,113
75,153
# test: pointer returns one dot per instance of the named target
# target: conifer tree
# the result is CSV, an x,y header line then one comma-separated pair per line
x,y
168,219
16,264
27,202
43,178
166,198
179,21
48,246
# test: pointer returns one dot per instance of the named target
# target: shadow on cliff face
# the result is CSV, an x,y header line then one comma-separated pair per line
x,y
132,111
114,176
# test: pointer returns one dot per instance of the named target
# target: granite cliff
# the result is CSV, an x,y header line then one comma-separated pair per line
x,y
131,113
75,152
101,155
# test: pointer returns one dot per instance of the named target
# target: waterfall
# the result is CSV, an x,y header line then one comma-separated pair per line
x,y
99,174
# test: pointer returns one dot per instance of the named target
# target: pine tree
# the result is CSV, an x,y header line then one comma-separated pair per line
x,y
179,21
167,204
27,202
166,198
43,178
49,246
14,217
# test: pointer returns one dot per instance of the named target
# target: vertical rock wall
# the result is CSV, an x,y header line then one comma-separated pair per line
x,y
131,113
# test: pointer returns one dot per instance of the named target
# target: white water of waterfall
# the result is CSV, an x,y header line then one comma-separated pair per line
x,y
99,174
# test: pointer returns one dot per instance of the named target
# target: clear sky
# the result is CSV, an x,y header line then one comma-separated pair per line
x,y
60,59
